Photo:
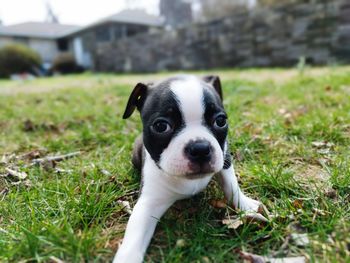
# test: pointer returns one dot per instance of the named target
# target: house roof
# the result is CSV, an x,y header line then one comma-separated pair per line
x,y
128,16
54,31
37,29
136,16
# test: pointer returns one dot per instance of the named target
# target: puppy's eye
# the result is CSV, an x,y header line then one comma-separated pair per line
x,y
220,122
161,126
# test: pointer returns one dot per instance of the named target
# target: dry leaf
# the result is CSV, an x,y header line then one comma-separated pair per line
x,y
105,172
205,260
28,125
62,171
4,160
255,217
53,259
125,206
218,203
180,243
31,155
252,258
297,203
301,240
322,144
17,175
232,223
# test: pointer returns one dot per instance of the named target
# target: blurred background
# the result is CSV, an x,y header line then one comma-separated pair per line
x,y
44,37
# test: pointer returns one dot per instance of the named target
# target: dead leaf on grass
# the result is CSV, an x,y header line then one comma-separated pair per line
x,y
323,147
291,115
16,174
252,258
53,259
3,193
232,223
7,158
247,217
221,203
63,171
180,243
105,172
29,126
256,217
125,206
328,88
114,244
298,203
34,154
301,240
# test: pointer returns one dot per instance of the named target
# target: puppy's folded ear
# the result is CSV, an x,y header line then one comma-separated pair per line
x,y
215,82
136,99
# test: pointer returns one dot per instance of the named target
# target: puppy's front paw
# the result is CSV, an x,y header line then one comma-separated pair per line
x,y
249,205
128,257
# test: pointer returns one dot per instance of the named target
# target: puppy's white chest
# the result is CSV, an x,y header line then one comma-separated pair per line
x,y
187,187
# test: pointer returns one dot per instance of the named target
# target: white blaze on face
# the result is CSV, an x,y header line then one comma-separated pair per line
x,y
189,94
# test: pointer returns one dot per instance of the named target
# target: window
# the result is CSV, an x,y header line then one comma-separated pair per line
x,y
134,29
103,34
62,45
21,40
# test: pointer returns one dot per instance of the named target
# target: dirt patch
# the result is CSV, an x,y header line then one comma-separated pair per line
x,y
313,176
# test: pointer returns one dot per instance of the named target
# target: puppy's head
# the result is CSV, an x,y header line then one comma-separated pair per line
x,y
184,124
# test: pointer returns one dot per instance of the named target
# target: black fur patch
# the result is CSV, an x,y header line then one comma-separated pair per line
x,y
213,106
160,102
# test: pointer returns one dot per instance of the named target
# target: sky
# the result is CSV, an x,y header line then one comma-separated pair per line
x,y
75,12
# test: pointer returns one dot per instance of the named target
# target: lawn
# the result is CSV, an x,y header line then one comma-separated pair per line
x,y
289,134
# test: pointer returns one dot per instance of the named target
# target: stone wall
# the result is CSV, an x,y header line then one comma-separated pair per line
x,y
317,30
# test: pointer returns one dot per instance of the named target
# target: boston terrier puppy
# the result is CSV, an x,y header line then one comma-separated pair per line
x,y
183,145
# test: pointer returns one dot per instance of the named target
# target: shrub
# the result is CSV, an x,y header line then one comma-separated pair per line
x,y
65,64
17,58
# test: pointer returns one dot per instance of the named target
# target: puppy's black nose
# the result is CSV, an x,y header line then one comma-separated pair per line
x,y
199,151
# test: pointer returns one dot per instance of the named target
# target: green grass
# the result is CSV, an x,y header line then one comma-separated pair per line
x,y
275,116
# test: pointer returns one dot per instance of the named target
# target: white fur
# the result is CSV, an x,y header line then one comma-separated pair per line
x,y
233,193
189,92
159,192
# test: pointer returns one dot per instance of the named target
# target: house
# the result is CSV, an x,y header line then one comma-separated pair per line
x,y
41,37
50,39
85,41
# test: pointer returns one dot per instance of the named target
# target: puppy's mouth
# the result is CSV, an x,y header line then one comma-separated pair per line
x,y
194,171
203,168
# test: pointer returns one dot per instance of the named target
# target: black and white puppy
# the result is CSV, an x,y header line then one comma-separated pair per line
x,y
183,145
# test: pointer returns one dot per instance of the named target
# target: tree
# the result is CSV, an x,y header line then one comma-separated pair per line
x,y
51,16
176,12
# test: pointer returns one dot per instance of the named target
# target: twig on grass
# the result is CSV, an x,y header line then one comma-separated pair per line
x,y
57,158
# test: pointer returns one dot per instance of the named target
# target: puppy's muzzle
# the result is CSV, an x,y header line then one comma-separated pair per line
x,y
199,152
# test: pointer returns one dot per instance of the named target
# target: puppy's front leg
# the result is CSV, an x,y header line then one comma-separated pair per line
x,y
233,193
139,231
